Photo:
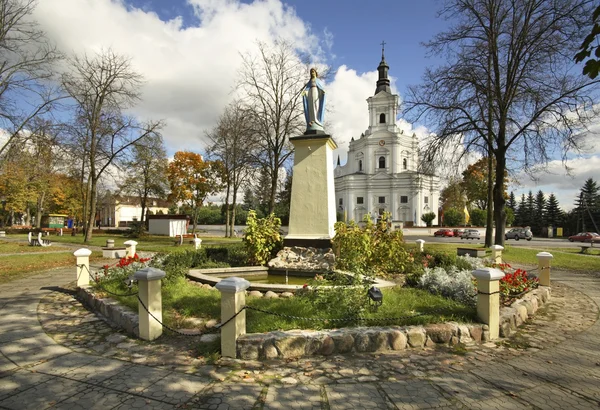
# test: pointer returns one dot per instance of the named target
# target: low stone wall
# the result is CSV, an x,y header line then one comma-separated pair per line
x,y
285,345
519,311
112,310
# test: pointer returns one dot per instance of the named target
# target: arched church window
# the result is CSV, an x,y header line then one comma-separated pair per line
x,y
381,162
404,163
382,118
360,165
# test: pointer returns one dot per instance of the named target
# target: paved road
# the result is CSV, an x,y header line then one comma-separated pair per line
x,y
560,372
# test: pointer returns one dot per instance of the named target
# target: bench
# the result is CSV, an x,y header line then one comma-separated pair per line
x,y
584,248
57,231
474,253
37,241
180,238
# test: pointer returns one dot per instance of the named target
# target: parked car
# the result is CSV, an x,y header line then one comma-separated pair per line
x,y
519,233
443,232
458,232
585,237
471,234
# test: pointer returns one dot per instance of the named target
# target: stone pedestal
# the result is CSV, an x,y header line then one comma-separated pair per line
x,y
83,267
312,209
150,312
544,259
233,299
488,298
130,246
497,253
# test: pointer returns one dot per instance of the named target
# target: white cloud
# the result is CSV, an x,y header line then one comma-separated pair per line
x,y
190,72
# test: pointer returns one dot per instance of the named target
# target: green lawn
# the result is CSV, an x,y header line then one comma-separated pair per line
x,y
148,244
564,258
183,299
27,264
23,247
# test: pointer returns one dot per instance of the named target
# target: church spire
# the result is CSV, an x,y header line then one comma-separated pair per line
x,y
383,84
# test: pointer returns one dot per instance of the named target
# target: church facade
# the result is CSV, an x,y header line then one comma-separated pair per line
x,y
383,173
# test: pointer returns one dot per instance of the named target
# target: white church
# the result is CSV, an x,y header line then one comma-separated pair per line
x,y
382,172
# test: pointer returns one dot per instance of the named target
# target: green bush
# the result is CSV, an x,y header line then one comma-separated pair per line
x,y
338,294
428,218
262,238
454,217
372,250
478,217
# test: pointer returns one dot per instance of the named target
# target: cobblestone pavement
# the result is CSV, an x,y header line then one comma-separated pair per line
x,y
56,354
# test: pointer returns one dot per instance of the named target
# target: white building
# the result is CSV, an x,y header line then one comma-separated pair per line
x,y
382,173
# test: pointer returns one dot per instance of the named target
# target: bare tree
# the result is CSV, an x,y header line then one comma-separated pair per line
x,y
234,142
146,171
103,86
26,68
272,82
508,86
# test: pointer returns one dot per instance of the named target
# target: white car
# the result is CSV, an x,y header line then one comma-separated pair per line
x,y
471,234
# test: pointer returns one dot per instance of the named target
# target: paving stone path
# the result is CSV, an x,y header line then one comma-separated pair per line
x,y
56,354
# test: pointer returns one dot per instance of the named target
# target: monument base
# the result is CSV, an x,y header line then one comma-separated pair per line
x,y
319,243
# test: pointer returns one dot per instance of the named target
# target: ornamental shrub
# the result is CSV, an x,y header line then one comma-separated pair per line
x,y
338,293
262,238
373,249
452,283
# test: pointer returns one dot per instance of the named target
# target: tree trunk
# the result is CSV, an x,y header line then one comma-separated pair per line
x,y
227,221
91,216
273,192
38,214
234,200
490,203
499,201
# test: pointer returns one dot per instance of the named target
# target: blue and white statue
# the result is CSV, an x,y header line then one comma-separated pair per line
x,y
313,97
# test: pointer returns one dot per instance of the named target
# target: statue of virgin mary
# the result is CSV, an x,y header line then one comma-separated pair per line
x,y
313,98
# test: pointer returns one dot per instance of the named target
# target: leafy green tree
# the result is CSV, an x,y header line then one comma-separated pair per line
x,y
454,217
478,217
453,196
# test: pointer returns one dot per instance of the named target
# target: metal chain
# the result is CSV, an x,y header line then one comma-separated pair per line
x,y
348,319
214,330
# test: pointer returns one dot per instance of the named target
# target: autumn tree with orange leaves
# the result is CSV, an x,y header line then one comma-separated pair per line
x,y
192,179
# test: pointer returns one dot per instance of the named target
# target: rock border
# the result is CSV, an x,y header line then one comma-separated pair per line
x,y
302,343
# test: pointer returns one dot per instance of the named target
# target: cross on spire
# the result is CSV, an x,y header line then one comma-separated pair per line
x,y
382,48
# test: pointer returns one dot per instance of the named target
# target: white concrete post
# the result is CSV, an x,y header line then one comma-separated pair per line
x,y
544,259
197,243
497,253
488,298
420,243
149,293
233,299
83,267
130,248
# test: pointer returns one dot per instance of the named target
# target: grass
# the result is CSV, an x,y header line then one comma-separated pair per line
x,y
21,247
27,264
564,258
147,244
182,299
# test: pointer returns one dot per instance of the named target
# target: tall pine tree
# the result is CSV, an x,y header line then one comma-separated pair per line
x,y
521,214
512,202
587,206
539,213
554,215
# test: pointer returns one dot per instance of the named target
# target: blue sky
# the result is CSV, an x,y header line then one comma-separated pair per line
x,y
189,53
